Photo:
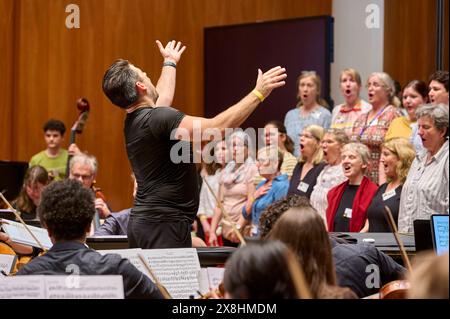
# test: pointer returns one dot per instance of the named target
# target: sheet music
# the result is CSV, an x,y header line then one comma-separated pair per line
x,y
215,276
7,262
18,234
22,287
84,287
203,281
61,287
131,255
177,269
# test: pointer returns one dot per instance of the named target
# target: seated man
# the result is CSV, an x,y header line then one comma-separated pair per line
x,y
54,157
66,211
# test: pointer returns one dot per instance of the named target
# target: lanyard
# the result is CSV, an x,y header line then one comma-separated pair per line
x,y
364,128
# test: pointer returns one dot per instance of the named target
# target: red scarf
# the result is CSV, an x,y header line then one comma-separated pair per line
x,y
366,191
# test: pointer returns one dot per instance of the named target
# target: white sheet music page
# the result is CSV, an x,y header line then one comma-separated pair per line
x,y
7,262
22,287
18,234
177,269
84,287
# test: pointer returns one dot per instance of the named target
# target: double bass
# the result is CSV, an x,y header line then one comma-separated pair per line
x,y
77,128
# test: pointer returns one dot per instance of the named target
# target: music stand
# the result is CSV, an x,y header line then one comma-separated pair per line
x,y
12,174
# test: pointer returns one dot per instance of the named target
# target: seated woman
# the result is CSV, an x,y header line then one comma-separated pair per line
x,y
311,162
274,187
36,178
397,155
425,191
259,271
414,95
332,174
236,184
348,202
303,230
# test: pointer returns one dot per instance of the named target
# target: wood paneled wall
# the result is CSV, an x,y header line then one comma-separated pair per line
x,y
47,66
6,77
410,39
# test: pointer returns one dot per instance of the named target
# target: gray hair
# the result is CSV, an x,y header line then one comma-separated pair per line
x,y
360,149
437,112
389,85
85,159
339,135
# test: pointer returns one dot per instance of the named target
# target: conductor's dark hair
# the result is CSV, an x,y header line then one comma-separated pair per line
x,y
66,209
119,84
259,271
54,125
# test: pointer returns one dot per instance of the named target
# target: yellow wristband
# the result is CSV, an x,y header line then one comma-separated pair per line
x,y
202,217
258,94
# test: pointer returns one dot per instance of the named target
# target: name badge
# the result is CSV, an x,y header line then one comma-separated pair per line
x,y
388,195
316,115
348,213
303,187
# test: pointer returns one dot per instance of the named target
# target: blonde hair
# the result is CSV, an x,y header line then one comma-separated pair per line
x,y
317,132
353,73
405,153
430,277
317,81
389,86
360,149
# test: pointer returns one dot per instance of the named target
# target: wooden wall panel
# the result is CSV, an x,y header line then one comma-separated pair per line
x,y
56,65
410,39
6,77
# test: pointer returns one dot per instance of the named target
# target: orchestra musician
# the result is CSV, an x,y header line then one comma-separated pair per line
x,y
66,211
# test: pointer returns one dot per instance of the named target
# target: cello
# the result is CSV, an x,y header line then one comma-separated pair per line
x,y
77,128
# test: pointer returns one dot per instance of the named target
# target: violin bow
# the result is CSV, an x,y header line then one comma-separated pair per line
x,y
22,222
158,284
226,215
391,223
298,276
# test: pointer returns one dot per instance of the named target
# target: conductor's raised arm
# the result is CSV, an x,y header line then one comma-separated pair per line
x,y
235,115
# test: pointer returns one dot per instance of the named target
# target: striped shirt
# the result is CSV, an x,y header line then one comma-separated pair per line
x,y
425,191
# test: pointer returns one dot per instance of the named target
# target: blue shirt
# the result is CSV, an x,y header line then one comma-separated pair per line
x,y
295,123
279,189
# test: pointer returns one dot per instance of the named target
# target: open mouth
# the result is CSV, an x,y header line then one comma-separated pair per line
x,y
348,92
302,147
305,96
347,168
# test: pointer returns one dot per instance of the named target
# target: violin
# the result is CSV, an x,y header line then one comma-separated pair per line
x,y
396,289
219,292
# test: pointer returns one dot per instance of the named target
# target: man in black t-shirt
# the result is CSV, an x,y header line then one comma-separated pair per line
x,y
167,198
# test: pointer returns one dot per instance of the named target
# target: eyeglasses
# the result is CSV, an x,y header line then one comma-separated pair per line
x,y
83,177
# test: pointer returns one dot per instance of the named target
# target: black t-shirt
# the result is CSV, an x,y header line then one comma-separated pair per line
x,y
341,222
308,182
375,212
167,188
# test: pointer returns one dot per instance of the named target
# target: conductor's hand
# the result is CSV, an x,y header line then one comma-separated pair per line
x,y
272,79
172,52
